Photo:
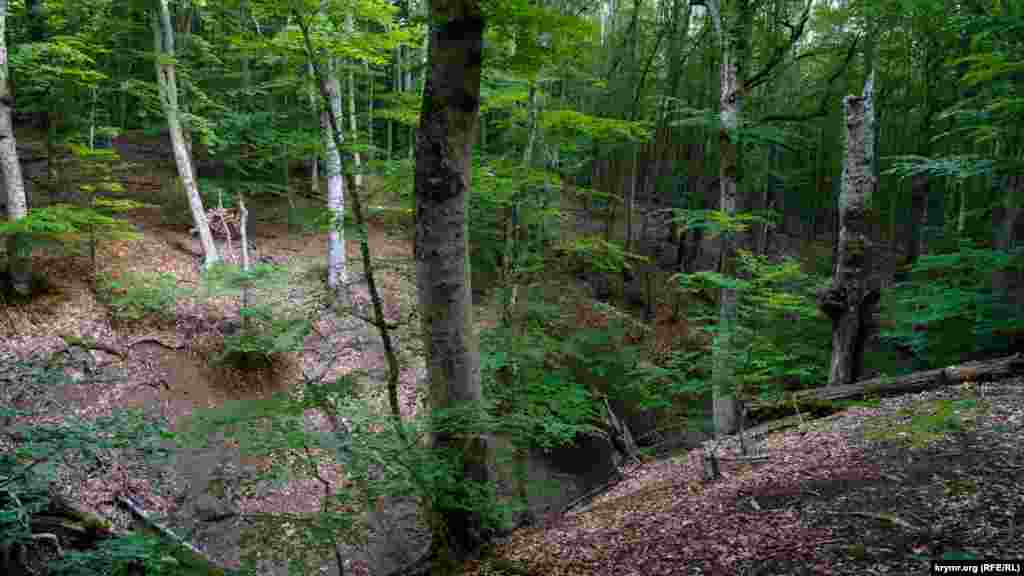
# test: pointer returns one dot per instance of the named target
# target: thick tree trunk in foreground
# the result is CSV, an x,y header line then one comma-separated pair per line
x,y
451,102
337,274
981,371
18,251
847,299
163,38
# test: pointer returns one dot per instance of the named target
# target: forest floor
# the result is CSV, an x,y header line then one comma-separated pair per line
x,y
168,369
840,495
884,488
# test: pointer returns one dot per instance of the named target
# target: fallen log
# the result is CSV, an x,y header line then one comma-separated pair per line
x,y
186,554
980,371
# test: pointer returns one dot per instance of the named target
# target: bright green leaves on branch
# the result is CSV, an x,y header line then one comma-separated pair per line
x,y
779,327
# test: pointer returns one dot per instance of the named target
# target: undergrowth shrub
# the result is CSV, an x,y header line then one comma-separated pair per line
x,y
950,307
267,325
777,337
132,296
264,334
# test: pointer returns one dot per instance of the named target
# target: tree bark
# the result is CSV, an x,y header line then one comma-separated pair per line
x,y
19,254
847,300
451,101
337,274
916,244
314,161
733,29
357,160
980,371
163,38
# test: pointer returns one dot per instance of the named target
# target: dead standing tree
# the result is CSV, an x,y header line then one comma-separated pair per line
x,y
848,300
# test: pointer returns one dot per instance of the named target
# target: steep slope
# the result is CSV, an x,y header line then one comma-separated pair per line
x,y
887,487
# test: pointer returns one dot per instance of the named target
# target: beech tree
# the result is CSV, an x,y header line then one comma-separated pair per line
x,y
19,264
336,273
163,42
444,144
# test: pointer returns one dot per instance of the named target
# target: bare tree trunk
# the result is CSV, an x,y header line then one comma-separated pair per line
x,y
163,38
848,298
337,275
314,170
631,199
18,251
451,100
733,32
961,220
357,160
916,243
371,155
243,15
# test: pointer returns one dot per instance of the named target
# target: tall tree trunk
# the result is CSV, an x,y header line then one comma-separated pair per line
x,y
357,160
243,16
920,185
19,263
163,38
37,32
337,275
371,154
314,161
847,301
513,226
915,241
733,29
451,101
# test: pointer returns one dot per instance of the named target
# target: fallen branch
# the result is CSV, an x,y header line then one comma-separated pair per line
x,y
594,492
72,341
981,371
152,340
150,523
761,458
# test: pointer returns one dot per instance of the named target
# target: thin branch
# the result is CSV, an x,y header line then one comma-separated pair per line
x,y
822,109
795,33
647,68
364,243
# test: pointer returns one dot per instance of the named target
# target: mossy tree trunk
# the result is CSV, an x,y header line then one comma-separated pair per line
x,y
848,300
444,144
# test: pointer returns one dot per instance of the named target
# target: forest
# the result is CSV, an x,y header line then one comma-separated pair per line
x,y
511,287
